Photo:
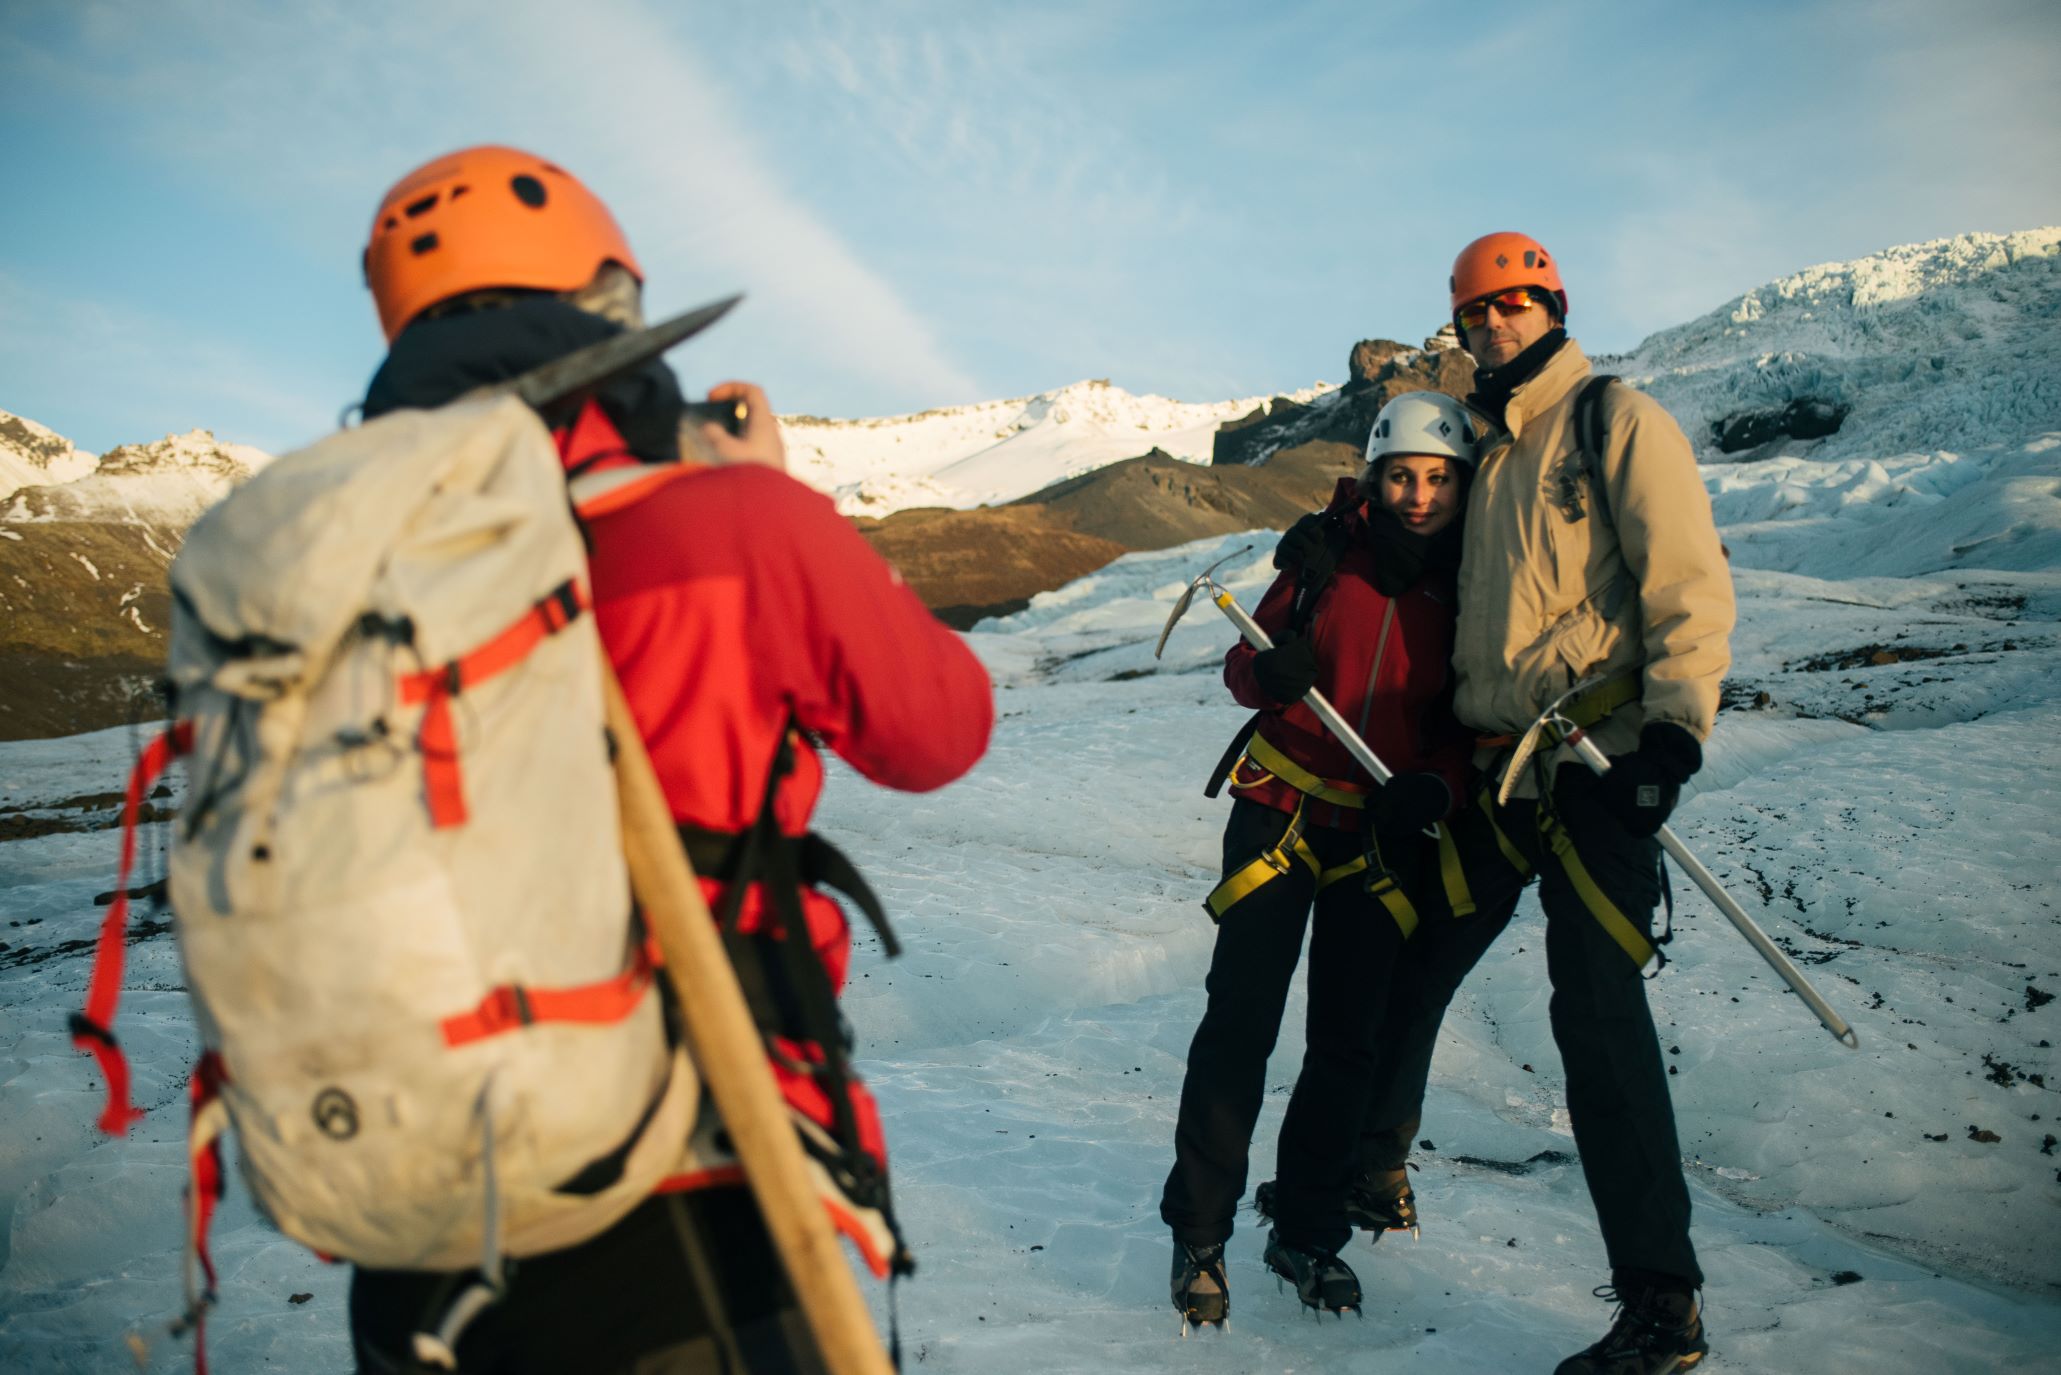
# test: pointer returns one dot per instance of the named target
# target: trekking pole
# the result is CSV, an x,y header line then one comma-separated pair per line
x,y
1259,639
1586,750
731,1056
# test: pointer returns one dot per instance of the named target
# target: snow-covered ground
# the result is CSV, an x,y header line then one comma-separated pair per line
x,y
1889,812
996,451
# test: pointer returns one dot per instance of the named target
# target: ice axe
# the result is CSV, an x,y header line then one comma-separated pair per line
x,y
1554,727
1259,639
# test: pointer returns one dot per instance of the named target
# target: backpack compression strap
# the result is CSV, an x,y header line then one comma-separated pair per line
x,y
92,1028
434,688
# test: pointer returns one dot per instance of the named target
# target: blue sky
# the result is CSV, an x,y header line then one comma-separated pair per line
x,y
932,203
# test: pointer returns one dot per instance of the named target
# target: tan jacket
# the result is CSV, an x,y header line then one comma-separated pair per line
x,y
1547,599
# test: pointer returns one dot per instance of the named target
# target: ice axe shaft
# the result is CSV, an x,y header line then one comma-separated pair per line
x,y
1314,700
1589,754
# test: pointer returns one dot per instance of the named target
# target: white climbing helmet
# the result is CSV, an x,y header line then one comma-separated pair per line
x,y
1426,422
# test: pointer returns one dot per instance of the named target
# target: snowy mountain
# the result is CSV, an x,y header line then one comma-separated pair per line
x,y
1879,793
32,456
1948,345
84,547
997,451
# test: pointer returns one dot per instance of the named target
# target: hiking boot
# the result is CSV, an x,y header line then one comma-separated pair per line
x,y
1375,1208
1322,1281
1657,1332
1201,1292
1379,1208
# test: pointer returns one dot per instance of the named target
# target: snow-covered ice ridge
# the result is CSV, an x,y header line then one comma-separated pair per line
x,y
996,451
1946,345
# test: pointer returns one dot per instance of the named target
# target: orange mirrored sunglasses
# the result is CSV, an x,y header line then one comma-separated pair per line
x,y
1515,301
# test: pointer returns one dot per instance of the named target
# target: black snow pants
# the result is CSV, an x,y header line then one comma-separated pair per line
x,y
627,1302
1353,945
1617,1096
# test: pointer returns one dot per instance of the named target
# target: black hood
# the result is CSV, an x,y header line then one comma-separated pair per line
x,y
437,360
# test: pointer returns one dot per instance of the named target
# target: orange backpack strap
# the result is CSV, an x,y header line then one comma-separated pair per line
x,y
92,1027
436,687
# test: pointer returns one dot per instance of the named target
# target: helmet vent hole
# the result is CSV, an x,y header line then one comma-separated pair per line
x,y
392,222
555,170
528,190
458,191
422,206
423,243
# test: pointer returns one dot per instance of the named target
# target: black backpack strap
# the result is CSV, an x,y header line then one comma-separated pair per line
x,y
1303,609
784,979
1230,759
1589,435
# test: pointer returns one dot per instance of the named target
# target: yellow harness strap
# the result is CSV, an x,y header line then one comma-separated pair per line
x,y
1604,698
1296,776
1458,897
1382,885
1270,865
1614,923
1510,851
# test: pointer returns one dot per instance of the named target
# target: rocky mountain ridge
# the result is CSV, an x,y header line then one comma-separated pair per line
x,y
83,594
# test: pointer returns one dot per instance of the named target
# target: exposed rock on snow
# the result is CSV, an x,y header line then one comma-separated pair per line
x,y
1807,417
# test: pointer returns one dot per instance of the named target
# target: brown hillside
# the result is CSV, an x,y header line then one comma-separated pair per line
x,y
991,561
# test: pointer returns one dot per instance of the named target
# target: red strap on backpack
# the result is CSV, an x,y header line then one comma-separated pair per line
x,y
203,1191
434,688
512,1006
93,1027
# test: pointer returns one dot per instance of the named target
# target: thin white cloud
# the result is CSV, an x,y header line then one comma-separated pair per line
x,y
308,112
145,374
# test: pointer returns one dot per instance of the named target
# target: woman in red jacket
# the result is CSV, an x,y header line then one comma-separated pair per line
x,y
1363,611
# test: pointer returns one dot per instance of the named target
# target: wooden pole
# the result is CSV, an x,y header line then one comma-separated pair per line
x,y
731,1056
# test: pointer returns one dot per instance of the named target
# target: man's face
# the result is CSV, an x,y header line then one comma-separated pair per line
x,y
1505,332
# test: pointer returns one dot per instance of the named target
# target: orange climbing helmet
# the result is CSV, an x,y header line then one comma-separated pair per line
x,y
1501,261
486,217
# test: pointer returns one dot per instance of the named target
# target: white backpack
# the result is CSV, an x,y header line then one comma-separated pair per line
x,y
396,878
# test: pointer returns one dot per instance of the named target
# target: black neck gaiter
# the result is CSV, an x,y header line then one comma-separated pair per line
x,y
437,360
1402,555
1493,387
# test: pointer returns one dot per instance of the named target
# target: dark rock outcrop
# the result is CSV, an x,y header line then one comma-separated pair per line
x,y
1807,417
1381,371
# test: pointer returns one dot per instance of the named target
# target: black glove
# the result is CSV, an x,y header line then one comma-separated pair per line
x,y
1308,548
1286,672
1408,802
1642,788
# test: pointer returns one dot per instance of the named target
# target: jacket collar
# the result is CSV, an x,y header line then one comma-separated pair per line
x,y
1546,388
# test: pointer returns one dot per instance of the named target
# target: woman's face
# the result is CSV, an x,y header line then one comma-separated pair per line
x,y
1422,491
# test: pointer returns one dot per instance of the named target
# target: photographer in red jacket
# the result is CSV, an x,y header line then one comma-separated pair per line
x,y
751,626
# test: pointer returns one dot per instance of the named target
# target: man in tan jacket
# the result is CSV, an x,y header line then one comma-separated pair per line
x,y
1592,564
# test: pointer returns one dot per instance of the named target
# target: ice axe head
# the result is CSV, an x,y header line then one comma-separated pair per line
x,y
1551,720
1200,580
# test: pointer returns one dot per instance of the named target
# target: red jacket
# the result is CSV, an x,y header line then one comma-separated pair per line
x,y
733,598
1384,663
